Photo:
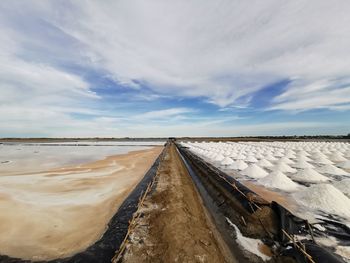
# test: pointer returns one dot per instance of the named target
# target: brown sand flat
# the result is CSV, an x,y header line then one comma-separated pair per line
x,y
61,212
175,227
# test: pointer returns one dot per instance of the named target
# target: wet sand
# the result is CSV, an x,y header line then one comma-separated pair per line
x,y
60,212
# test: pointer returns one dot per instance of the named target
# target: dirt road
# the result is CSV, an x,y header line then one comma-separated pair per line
x,y
175,226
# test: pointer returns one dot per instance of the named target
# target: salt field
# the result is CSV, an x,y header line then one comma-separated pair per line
x,y
56,200
17,158
311,178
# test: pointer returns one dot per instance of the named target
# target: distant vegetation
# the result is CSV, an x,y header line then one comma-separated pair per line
x,y
243,138
78,139
274,138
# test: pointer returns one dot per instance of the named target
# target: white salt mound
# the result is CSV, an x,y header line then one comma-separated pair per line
x,y
227,153
337,157
251,159
343,186
323,160
290,154
324,197
309,175
286,160
302,164
240,157
239,165
344,165
303,158
219,158
270,157
254,171
318,155
280,181
283,167
227,161
259,156
264,163
331,169
347,153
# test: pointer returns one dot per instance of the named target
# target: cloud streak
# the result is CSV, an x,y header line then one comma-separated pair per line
x,y
331,94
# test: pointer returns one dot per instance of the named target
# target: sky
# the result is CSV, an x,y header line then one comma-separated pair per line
x,y
159,68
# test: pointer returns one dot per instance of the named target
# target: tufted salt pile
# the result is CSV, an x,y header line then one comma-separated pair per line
x,y
251,159
280,181
226,161
239,165
322,160
331,169
302,164
264,163
324,197
337,157
343,186
254,171
286,160
309,175
283,167
344,165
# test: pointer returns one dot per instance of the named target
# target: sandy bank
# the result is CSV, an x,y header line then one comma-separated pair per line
x,y
60,212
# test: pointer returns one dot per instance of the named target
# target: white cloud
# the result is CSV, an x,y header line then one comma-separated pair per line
x,y
221,50
36,98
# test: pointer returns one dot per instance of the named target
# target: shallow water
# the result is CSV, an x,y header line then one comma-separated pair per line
x,y
19,158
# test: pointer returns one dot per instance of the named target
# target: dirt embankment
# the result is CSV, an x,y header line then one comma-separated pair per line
x,y
175,226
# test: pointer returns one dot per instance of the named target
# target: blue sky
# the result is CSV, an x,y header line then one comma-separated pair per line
x,y
174,68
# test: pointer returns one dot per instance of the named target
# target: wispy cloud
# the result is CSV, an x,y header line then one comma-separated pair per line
x,y
331,94
165,113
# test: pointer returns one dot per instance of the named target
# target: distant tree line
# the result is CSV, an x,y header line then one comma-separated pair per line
x,y
241,138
